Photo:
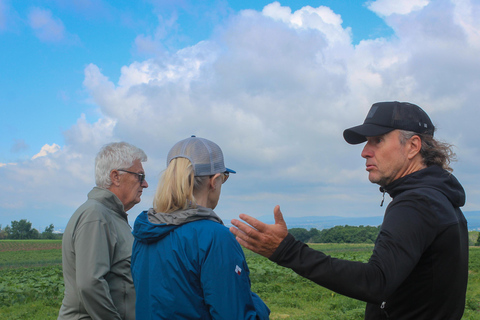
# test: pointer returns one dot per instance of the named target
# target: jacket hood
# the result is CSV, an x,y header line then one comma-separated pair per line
x,y
431,177
151,226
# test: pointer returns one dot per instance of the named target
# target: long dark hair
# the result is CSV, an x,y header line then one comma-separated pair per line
x,y
433,151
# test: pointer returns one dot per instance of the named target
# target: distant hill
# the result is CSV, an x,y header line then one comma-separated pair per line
x,y
473,219
325,222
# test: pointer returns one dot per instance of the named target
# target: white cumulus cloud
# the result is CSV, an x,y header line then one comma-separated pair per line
x,y
389,7
47,149
322,19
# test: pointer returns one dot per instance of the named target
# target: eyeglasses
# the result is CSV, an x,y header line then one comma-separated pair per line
x,y
225,176
141,176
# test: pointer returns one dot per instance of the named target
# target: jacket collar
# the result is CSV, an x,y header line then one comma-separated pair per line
x,y
109,200
180,217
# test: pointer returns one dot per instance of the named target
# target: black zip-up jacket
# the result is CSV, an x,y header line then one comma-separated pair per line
x,y
419,265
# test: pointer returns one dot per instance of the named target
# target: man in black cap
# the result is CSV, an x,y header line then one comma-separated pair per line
x,y
419,265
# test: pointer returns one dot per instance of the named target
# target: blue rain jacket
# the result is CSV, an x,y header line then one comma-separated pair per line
x,y
187,265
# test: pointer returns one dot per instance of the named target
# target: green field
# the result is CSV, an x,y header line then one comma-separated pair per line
x,y
31,283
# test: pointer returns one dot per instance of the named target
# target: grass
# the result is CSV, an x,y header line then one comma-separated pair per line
x,y
473,237
31,253
31,284
290,296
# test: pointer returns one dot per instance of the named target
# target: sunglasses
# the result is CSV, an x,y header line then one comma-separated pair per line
x,y
141,176
225,176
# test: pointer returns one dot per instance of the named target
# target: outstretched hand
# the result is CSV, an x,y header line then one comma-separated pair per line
x,y
260,237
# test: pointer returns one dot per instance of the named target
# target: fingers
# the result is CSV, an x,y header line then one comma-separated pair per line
x,y
243,230
243,242
246,236
254,228
278,216
257,224
260,226
260,237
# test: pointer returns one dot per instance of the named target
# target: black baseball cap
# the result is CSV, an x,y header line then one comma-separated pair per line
x,y
384,117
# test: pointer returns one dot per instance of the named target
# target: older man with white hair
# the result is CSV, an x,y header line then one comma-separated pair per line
x,y
97,243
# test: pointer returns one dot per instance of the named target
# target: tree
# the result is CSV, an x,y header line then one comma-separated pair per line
x,y
300,234
48,233
34,234
346,234
8,231
21,230
313,233
3,233
478,240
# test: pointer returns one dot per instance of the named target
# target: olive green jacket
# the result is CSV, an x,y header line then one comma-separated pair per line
x,y
96,252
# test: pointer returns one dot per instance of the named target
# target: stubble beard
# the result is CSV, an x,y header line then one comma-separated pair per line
x,y
381,181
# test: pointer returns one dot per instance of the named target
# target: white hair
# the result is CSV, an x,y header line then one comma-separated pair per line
x,y
114,156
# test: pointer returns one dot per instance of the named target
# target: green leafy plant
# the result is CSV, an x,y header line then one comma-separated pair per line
x,y
31,284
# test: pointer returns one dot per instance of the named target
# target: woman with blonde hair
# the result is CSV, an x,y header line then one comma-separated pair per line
x,y
185,263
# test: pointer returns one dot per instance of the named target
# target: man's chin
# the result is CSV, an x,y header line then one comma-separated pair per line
x,y
381,182
372,178
376,180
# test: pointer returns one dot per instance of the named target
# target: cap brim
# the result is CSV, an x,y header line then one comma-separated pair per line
x,y
359,134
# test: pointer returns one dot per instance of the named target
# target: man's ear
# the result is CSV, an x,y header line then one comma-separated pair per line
x,y
415,145
115,178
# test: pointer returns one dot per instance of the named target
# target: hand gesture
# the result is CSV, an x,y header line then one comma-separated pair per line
x,y
260,237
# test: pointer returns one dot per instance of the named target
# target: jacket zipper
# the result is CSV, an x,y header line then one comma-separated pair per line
x,y
382,306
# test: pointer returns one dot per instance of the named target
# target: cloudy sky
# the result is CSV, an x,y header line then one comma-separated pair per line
x,y
273,83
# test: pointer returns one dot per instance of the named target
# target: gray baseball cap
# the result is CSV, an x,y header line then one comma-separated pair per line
x,y
205,156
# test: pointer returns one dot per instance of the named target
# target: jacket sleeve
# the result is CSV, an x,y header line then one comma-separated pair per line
x,y
408,228
226,283
93,249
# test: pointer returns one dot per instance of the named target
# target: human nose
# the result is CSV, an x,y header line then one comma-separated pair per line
x,y
144,184
367,151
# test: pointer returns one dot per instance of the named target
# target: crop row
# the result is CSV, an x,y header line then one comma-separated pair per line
x,y
29,245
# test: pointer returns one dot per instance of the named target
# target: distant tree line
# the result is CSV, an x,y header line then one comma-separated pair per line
x,y
23,230
337,234
344,234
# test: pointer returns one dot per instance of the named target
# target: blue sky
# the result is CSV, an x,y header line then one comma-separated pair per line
x,y
273,83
